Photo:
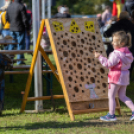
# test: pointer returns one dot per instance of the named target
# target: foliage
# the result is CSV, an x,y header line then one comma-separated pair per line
x,y
82,7
78,6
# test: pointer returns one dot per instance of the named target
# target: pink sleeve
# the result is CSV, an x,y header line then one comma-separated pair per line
x,y
111,62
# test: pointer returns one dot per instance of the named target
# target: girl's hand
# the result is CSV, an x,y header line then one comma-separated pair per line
x,y
96,54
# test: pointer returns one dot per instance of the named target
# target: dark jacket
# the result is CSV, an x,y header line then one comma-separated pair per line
x,y
125,25
61,15
129,6
17,17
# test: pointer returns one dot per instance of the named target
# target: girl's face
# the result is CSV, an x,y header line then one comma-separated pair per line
x,y
115,43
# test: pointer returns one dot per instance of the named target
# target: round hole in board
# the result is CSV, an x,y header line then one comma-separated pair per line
x,y
70,67
93,37
64,65
80,85
65,53
81,52
75,82
54,34
93,69
73,95
75,71
102,70
89,73
88,35
98,45
92,79
78,36
70,78
61,36
73,55
88,66
58,43
72,37
98,87
104,91
76,89
66,71
79,66
91,49
82,32
73,43
82,79
82,91
104,85
98,81
71,73
102,77
89,60
64,42
81,73
69,85
82,41
66,34
67,61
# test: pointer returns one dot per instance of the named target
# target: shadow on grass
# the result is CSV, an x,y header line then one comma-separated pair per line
x,y
56,125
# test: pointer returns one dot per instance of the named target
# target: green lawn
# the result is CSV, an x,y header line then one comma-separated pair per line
x,y
58,121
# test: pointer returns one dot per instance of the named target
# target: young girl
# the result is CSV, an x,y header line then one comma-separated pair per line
x,y
118,78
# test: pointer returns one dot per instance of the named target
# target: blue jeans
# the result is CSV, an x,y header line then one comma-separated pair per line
x,y
27,40
4,34
20,37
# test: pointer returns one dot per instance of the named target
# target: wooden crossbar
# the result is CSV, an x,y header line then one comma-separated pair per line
x,y
45,97
23,67
25,72
21,51
85,111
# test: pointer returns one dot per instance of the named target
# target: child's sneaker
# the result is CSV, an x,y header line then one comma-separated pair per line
x,y
132,117
108,117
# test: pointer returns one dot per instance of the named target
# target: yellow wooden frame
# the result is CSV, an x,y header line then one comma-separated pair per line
x,y
29,80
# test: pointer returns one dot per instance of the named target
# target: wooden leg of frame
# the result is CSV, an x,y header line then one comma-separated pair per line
x,y
118,105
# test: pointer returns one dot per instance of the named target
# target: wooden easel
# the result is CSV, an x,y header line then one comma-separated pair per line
x,y
74,107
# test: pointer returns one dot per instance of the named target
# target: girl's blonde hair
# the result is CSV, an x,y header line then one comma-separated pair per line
x,y
122,37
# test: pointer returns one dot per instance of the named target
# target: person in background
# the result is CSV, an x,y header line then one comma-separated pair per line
x,y
5,63
5,25
129,6
17,17
126,25
7,3
106,15
99,19
27,36
63,12
109,48
118,64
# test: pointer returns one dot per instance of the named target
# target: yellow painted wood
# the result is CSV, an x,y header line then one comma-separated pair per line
x,y
59,70
54,70
45,97
29,80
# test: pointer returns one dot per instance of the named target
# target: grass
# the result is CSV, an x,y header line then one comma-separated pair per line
x,y
58,121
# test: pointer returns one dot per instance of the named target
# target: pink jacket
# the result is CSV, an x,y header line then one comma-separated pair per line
x,y
118,63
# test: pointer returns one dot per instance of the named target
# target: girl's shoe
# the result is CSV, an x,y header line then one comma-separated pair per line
x,y
108,117
132,117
